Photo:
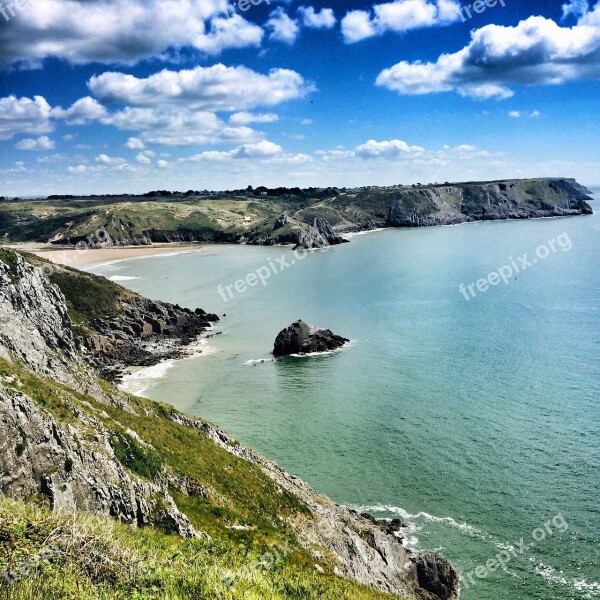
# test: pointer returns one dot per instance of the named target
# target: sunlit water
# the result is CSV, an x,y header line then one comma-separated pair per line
x,y
477,422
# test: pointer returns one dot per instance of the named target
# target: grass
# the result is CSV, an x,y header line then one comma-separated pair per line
x,y
87,557
151,563
88,296
9,258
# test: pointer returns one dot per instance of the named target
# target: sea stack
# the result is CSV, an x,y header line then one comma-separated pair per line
x,y
301,338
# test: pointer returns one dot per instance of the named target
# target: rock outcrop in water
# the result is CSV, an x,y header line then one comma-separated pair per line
x,y
300,338
68,438
319,235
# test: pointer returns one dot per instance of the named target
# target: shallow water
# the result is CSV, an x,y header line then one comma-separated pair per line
x,y
476,421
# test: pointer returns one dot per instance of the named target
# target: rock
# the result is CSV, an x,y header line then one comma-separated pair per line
x,y
426,206
300,338
436,578
319,235
282,221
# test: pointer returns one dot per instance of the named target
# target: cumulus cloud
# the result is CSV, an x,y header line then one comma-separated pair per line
x,y
41,143
283,28
134,143
245,118
177,127
122,31
104,159
387,149
259,150
537,51
145,157
323,19
24,115
81,112
398,16
215,88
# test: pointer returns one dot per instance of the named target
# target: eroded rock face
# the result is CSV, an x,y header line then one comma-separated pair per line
x,y
300,338
40,456
319,235
448,205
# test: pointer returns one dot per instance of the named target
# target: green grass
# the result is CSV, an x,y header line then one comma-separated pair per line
x,y
88,296
9,258
91,558
143,462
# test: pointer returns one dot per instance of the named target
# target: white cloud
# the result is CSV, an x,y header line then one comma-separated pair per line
x,y
41,143
323,19
122,31
205,88
514,114
387,149
259,150
145,157
104,159
179,127
162,164
134,143
283,28
24,115
537,51
245,118
306,122
81,112
398,16
69,137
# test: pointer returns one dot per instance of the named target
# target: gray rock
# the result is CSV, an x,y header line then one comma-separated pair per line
x,y
319,235
300,338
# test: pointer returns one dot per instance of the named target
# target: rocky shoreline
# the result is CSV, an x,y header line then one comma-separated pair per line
x,y
69,450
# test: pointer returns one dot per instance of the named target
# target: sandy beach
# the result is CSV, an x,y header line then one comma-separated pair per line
x,y
91,257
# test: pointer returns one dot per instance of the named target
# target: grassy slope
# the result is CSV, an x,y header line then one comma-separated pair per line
x,y
152,563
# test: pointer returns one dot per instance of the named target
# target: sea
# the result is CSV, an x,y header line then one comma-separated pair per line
x,y
472,413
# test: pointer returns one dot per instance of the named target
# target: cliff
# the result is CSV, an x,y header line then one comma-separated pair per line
x,y
70,442
307,218
448,205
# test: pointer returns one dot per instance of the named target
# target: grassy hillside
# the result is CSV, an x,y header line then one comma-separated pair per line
x,y
245,513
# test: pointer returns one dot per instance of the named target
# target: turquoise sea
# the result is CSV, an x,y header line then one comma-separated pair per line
x,y
476,421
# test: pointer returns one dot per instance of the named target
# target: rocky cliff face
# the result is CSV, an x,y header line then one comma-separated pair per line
x,y
448,205
64,437
319,235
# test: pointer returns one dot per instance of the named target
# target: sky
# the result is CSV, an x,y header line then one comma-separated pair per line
x,y
127,96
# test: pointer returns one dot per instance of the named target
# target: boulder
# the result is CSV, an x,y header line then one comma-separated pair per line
x,y
300,338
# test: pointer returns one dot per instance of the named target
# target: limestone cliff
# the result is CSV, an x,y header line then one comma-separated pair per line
x,y
72,440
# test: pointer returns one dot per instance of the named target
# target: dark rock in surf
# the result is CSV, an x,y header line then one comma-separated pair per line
x,y
300,338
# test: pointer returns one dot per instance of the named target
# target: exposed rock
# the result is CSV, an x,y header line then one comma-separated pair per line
x,y
39,456
73,463
436,577
319,235
282,221
452,204
300,338
364,548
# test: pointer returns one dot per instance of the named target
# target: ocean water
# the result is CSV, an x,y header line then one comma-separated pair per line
x,y
476,421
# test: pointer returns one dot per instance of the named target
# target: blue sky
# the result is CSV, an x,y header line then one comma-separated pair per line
x,y
108,96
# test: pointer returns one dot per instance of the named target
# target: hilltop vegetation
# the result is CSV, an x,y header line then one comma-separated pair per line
x,y
263,216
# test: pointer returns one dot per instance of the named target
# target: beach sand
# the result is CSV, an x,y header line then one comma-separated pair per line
x,y
91,257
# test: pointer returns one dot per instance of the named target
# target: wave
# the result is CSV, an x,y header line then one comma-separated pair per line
x,y
122,278
589,589
258,361
142,380
396,510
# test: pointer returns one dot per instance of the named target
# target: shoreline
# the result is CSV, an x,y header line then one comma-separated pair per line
x,y
90,258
